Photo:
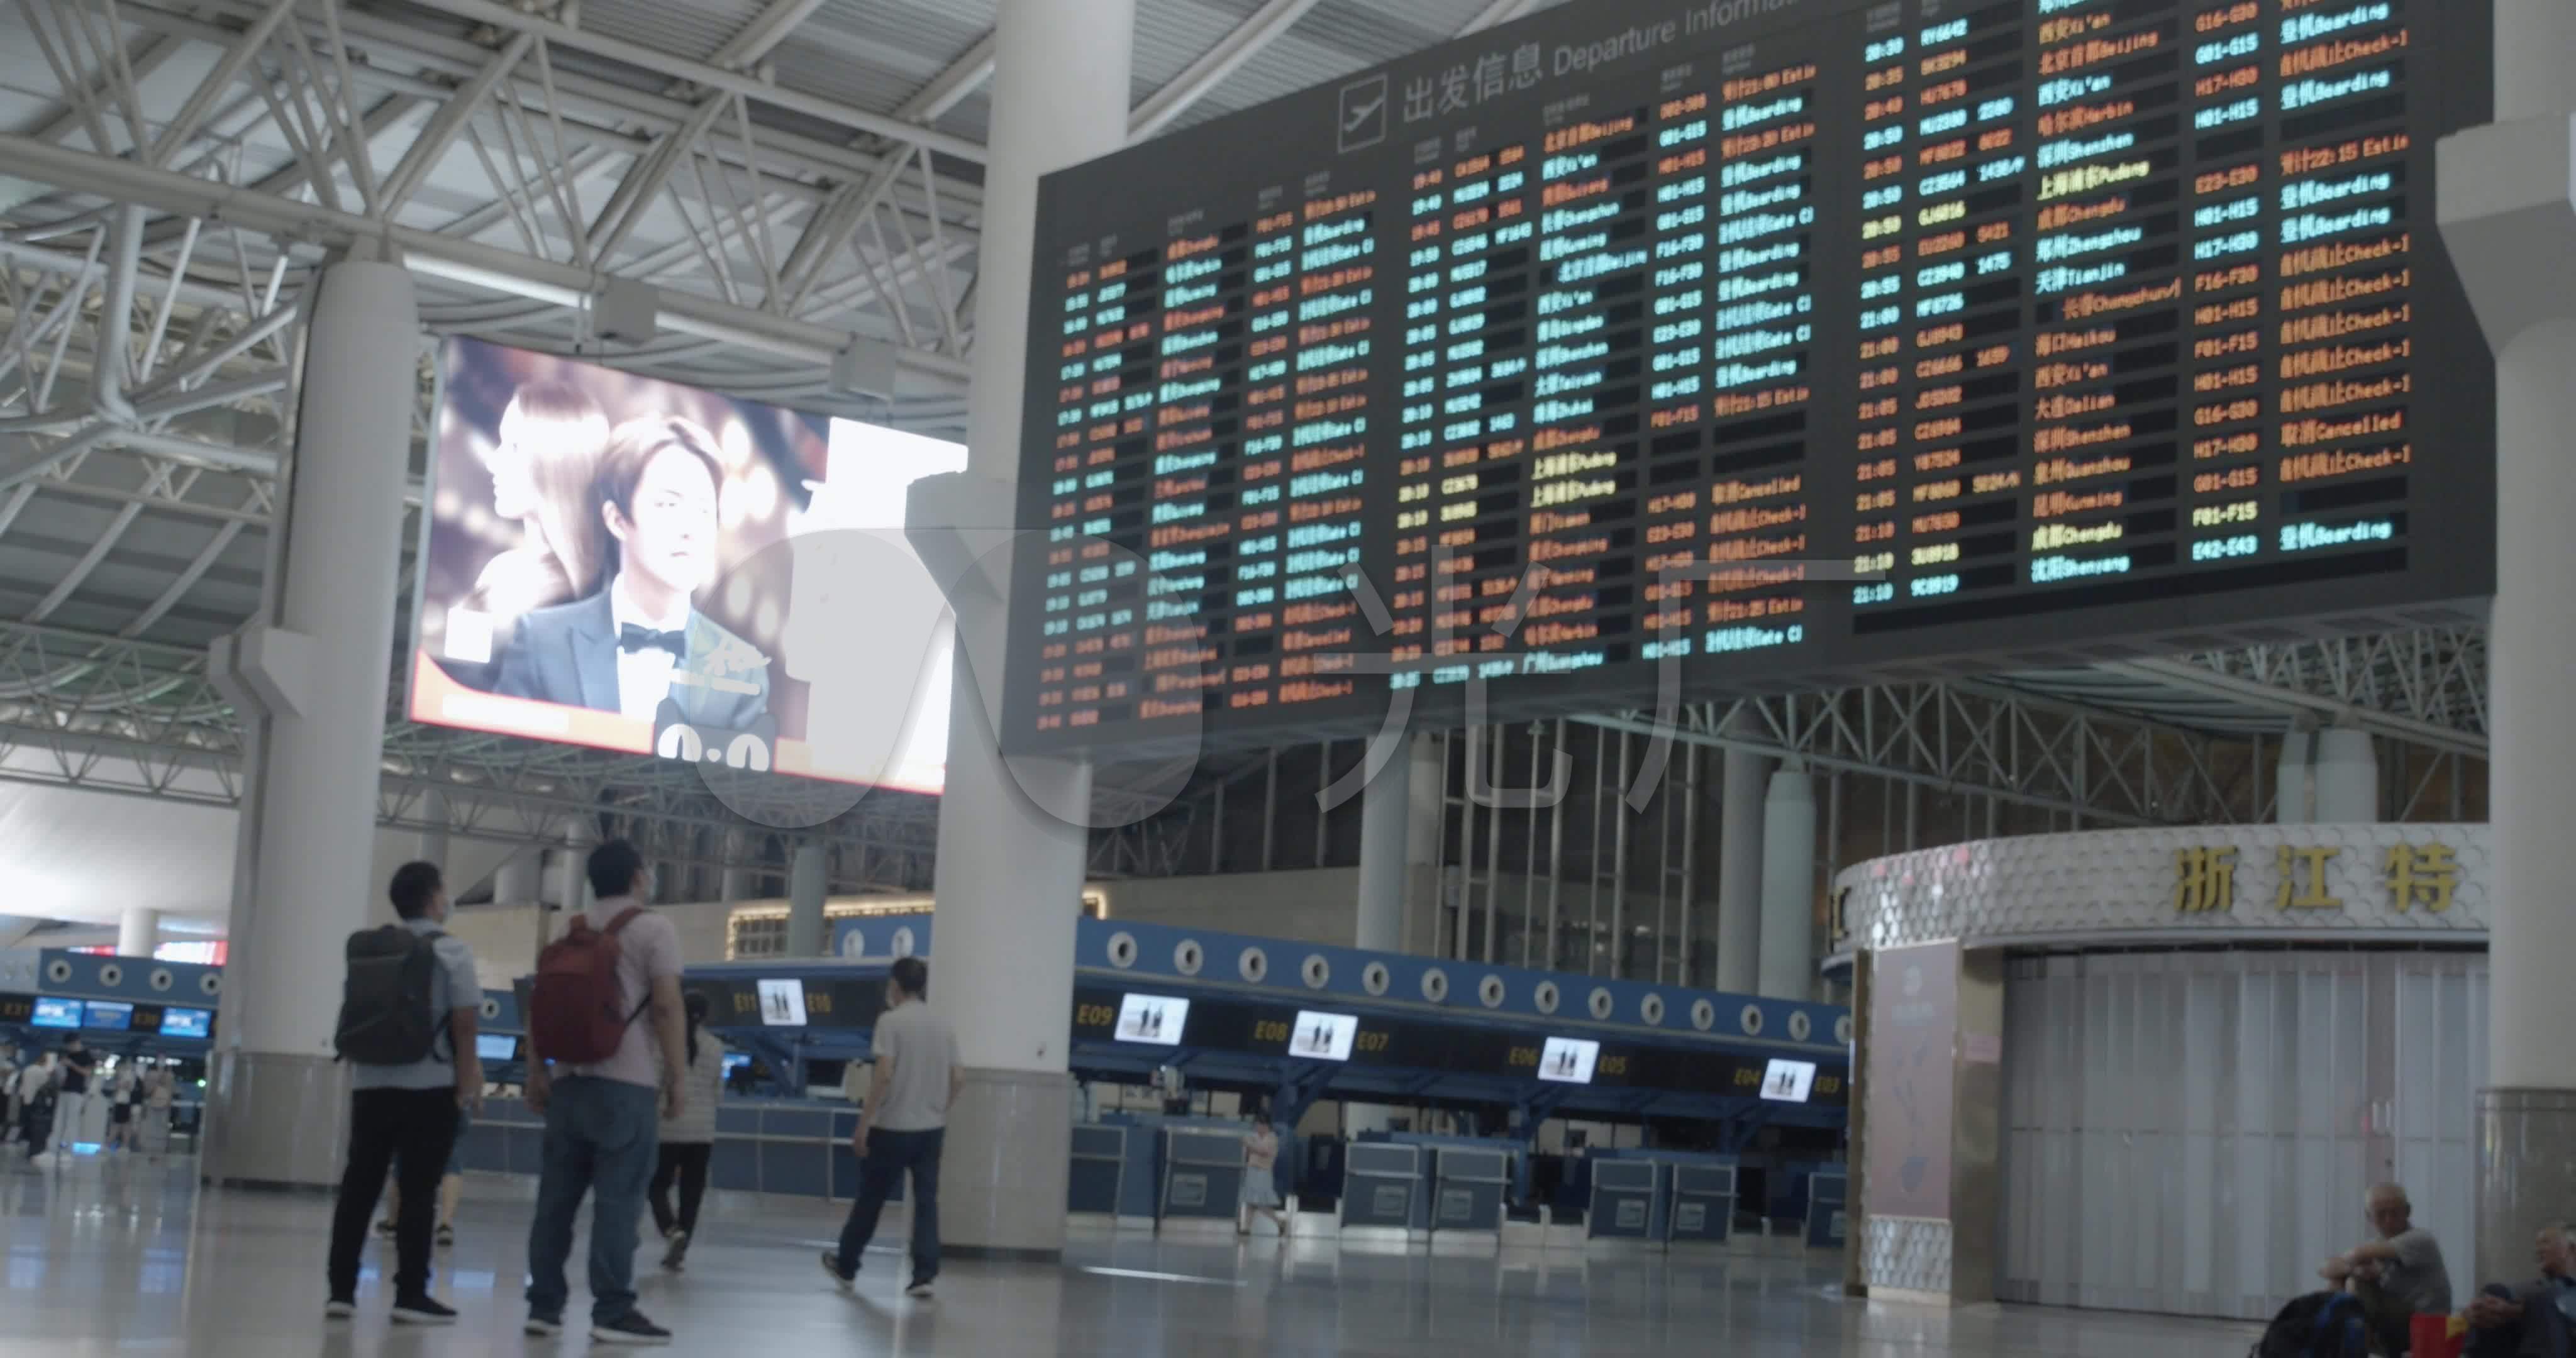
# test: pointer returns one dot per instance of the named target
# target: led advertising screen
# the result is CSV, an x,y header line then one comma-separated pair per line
x,y
629,564
1323,1037
187,1023
1569,1060
1153,1019
1747,346
53,1013
782,1004
1789,1081
108,1014
496,1047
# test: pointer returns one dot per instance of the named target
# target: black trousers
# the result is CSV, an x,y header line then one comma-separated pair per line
x,y
37,1121
686,1163
416,1127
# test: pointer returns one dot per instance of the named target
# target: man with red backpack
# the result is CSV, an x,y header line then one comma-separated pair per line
x,y
607,1045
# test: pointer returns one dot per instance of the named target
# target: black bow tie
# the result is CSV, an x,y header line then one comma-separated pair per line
x,y
631,638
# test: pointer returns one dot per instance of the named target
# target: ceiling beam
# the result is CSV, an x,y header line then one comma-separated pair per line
x,y
1195,82
762,35
607,103
2201,679
950,87
439,256
1499,12
706,75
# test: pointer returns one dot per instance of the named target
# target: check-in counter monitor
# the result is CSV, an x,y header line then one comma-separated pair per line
x,y
1626,1198
1381,1183
1202,1174
1703,1203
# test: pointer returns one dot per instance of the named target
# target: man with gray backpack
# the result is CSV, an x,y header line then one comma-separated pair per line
x,y
408,1014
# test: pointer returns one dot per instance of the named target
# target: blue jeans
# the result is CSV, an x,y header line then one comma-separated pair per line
x,y
601,1135
889,1155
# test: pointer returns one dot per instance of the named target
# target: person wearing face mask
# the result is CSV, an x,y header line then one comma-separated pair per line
x,y
414,1070
551,440
640,639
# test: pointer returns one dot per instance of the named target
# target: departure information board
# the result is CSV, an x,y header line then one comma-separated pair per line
x,y
1753,344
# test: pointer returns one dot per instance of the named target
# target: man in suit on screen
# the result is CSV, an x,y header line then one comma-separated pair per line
x,y
640,639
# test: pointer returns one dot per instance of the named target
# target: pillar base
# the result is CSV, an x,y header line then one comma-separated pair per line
x,y
276,1121
2526,1173
1004,1165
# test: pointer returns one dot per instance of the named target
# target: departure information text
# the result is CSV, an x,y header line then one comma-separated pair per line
x,y
1750,344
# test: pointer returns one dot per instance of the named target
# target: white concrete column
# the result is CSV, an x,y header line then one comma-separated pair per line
x,y
1386,852
1789,886
572,866
138,931
808,883
2347,777
433,840
1010,872
2294,796
1743,783
278,1103
735,884
2506,217
518,880
1426,838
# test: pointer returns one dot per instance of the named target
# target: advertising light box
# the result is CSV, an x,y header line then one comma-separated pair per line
x,y
199,1023
1789,1081
782,1004
629,564
1569,1060
1323,1037
53,1013
1153,1019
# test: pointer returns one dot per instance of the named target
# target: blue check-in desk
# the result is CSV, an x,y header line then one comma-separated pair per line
x,y
1202,1175
1468,1189
1382,1187
1095,1184
1703,1205
1828,1196
1627,1201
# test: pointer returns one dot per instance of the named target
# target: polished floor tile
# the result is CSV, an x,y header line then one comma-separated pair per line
x,y
124,1259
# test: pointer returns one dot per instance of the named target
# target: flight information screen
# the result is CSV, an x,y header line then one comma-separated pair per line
x,y
1753,344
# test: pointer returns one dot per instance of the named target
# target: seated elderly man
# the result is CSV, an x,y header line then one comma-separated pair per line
x,y
2398,1276
2534,1320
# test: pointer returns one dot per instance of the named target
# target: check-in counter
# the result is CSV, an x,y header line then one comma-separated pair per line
x,y
1382,1186
1202,1175
1627,1201
792,1148
1468,1189
1827,1197
1098,1172
1703,1206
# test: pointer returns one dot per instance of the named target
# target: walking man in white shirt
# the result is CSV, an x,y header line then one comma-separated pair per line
x,y
903,1125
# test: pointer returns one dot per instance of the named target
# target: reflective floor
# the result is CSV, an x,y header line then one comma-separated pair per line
x,y
125,1258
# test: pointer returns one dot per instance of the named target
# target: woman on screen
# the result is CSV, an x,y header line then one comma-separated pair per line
x,y
551,440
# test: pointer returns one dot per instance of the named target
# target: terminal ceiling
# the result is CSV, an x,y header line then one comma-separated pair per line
x,y
790,174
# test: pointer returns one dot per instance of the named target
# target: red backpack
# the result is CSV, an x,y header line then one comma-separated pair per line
x,y
576,1013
